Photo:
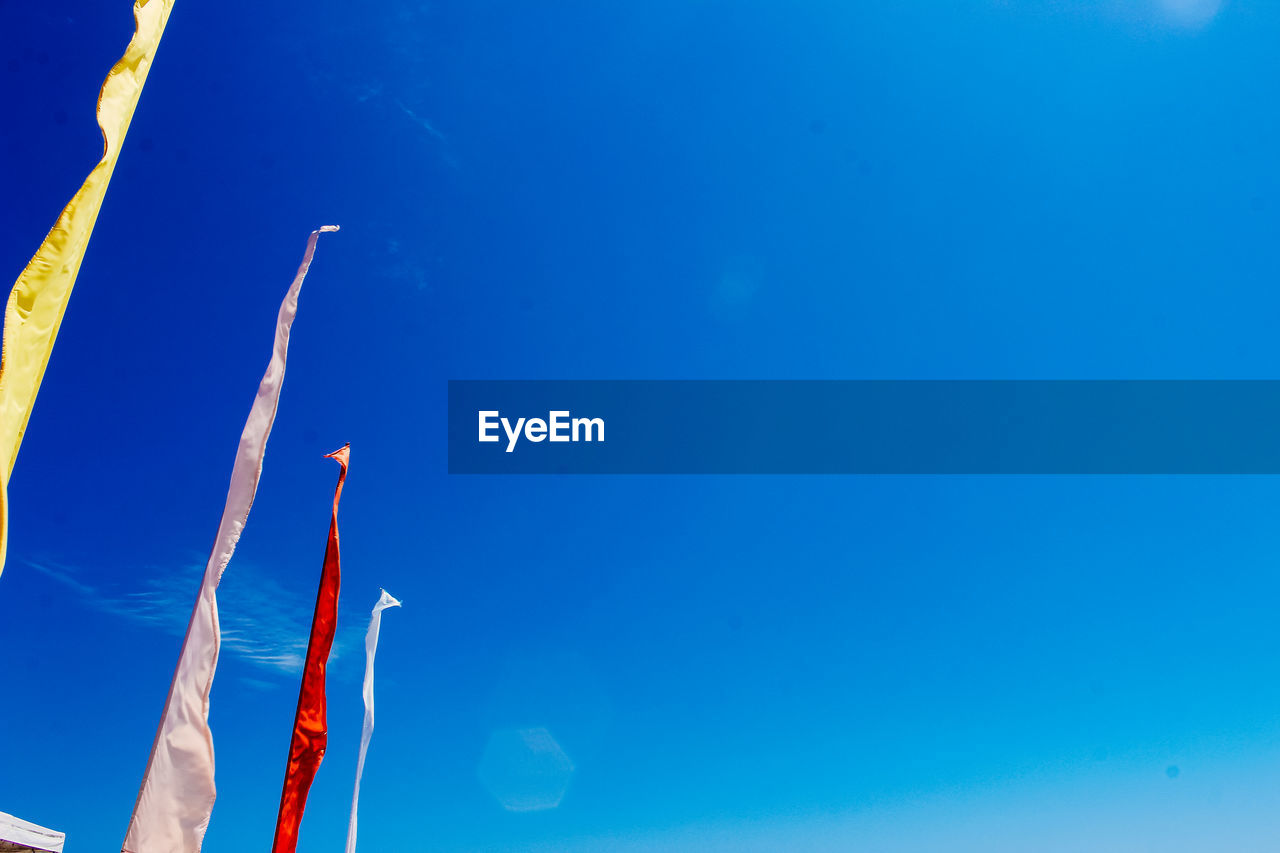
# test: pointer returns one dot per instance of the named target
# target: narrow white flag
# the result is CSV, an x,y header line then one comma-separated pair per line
x,y
176,798
370,649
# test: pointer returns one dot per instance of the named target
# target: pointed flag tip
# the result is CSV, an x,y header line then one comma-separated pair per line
x,y
342,454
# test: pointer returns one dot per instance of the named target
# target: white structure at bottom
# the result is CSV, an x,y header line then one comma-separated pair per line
x,y
18,836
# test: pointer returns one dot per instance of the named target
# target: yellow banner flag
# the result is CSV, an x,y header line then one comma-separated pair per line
x,y
39,298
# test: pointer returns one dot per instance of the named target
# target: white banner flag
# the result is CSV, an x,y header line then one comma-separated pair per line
x,y
177,793
370,649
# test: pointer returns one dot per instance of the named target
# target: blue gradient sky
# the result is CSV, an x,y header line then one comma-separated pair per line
x,y
670,189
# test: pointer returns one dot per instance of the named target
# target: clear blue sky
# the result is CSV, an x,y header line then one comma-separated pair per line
x,y
668,189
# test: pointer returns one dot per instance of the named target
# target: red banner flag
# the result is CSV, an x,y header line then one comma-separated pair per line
x,y
310,723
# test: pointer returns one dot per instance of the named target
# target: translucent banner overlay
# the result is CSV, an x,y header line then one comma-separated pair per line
x,y
864,427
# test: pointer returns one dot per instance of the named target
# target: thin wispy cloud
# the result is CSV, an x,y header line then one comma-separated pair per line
x,y
420,121
262,622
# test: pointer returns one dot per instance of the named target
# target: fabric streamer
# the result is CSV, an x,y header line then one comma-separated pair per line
x,y
39,298
177,793
310,722
370,649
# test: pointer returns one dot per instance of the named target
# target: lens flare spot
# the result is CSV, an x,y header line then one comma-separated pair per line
x,y
525,769
1191,13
